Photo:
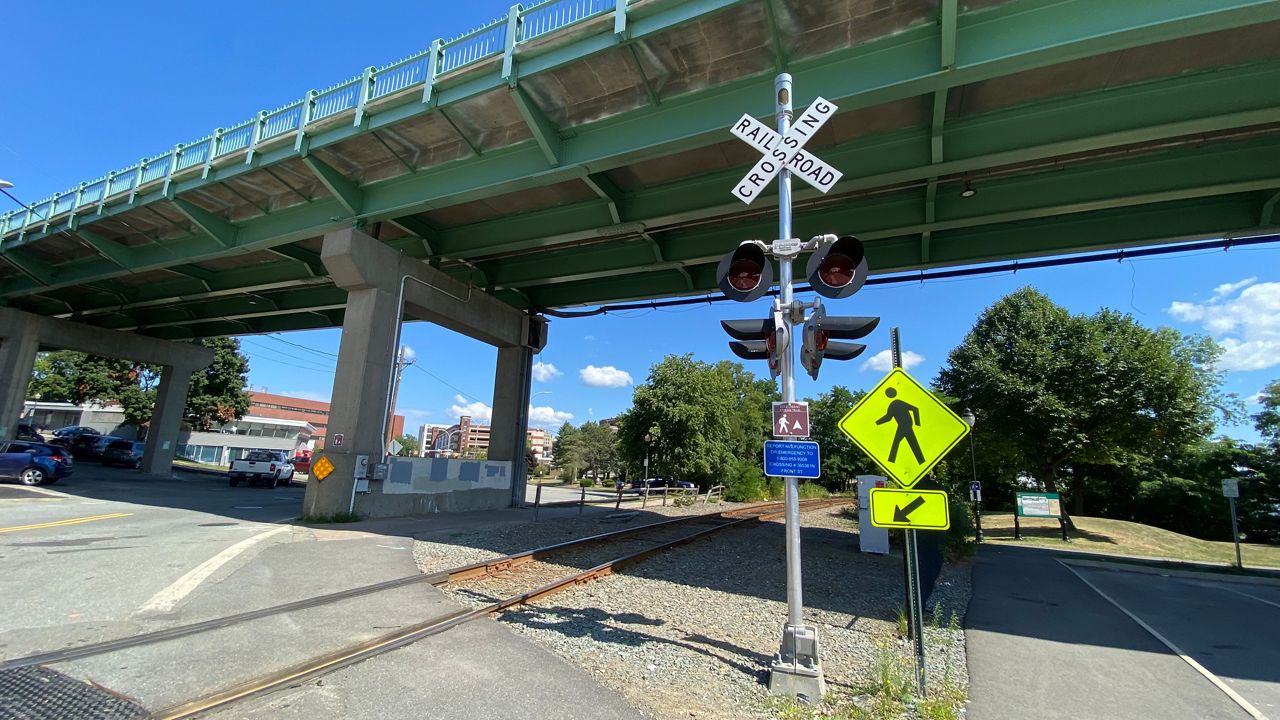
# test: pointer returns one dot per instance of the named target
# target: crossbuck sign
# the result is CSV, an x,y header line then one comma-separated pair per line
x,y
788,152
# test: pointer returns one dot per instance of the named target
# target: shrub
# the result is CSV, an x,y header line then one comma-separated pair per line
x,y
745,482
811,490
587,482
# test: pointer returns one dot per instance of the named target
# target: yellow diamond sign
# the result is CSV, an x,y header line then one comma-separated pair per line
x,y
909,509
903,427
322,468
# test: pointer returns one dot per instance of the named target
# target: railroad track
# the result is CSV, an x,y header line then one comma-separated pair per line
x,y
517,587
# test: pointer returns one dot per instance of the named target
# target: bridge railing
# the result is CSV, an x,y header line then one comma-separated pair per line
x,y
422,69
552,15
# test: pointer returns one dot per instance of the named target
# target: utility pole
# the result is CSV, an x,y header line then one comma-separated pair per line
x,y
404,358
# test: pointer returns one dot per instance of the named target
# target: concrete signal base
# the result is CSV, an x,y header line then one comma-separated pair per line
x,y
796,671
383,287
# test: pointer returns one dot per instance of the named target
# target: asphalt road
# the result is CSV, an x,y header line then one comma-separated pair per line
x,y
1050,639
110,554
90,551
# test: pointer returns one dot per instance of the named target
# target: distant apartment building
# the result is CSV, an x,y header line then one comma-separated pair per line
x,y
315,412
468,439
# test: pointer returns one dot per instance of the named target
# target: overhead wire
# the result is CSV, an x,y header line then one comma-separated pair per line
x,y
922,276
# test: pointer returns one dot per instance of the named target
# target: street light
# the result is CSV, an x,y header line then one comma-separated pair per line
x,y
975,490
4,188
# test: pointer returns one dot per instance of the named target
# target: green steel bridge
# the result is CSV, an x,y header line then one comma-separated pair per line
x,y
577,152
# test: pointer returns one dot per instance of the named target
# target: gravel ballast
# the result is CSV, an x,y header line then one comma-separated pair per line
x,y
690,633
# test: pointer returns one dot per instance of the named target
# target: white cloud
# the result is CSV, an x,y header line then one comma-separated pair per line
x,y
1247,326
477,410
547,416
409,354
542,372
883,361
607,376
1226,289
589,338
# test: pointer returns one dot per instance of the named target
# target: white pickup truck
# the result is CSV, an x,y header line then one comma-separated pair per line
x,y
266,466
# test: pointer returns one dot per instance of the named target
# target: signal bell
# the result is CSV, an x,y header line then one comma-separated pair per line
x,y
746,273
839,269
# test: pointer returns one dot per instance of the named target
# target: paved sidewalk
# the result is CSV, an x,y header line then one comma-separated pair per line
x,y
1042,644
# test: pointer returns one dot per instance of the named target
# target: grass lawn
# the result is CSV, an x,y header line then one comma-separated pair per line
x,y
1125,538
183,462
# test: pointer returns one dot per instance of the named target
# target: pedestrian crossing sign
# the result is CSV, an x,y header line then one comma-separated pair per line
x,y
903,427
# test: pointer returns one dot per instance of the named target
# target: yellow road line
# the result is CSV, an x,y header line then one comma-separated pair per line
x,y
60,523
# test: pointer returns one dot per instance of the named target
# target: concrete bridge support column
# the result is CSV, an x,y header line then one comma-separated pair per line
x,y
510,427
358,404
383,286
17,359
166,419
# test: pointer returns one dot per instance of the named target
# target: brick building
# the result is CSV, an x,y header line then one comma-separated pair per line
x,y
315,412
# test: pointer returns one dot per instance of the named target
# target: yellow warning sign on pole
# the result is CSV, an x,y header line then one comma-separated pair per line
x,y
903,427
321,468
909,509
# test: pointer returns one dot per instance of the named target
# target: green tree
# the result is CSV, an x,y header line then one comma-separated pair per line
x,y
217,395
1054,389
685,410
841,460
566,453
598,448
752,419
408,445
1268,420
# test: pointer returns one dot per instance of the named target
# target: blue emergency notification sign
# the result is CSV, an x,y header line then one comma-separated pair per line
x,y
791,458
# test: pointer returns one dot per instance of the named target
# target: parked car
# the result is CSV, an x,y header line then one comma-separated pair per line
x,y
90,447
28,432
76,430
265,466
32,463
123,452
301,464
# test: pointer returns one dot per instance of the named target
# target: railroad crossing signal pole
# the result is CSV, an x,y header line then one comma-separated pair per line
x,y
836,269
797,669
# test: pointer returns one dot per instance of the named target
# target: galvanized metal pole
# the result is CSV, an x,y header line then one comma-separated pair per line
x,y
795,597
797,670
911,554
1235,532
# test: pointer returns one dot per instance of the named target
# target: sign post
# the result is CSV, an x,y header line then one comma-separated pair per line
x,y
975,496
1231,491
907,431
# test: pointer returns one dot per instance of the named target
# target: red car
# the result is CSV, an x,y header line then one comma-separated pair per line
x,y
301,464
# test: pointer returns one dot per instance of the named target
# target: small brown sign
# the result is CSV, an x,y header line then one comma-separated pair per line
x,y
791,419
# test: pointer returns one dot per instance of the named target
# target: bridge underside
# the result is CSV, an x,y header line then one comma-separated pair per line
x,y
596,164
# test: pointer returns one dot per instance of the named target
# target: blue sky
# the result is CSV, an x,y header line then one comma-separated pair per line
x,y
94,87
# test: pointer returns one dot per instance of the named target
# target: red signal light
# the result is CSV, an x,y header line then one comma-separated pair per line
x,y
744,274
837,269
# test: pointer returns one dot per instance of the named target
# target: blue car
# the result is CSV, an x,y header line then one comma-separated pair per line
x,y
32,463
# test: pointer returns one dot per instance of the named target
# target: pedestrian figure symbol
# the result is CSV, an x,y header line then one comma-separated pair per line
x,y
908,417
782,425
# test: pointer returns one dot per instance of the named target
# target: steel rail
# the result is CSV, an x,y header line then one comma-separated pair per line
x,y
477,569
323,665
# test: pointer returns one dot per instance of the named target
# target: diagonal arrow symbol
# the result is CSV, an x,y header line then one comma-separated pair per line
x,y
900,513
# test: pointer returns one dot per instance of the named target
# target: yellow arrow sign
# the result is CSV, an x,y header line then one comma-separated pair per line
x,y
909,509
903,427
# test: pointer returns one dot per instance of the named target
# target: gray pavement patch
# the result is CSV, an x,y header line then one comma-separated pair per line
x,y
38,693
1209,574
17,492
